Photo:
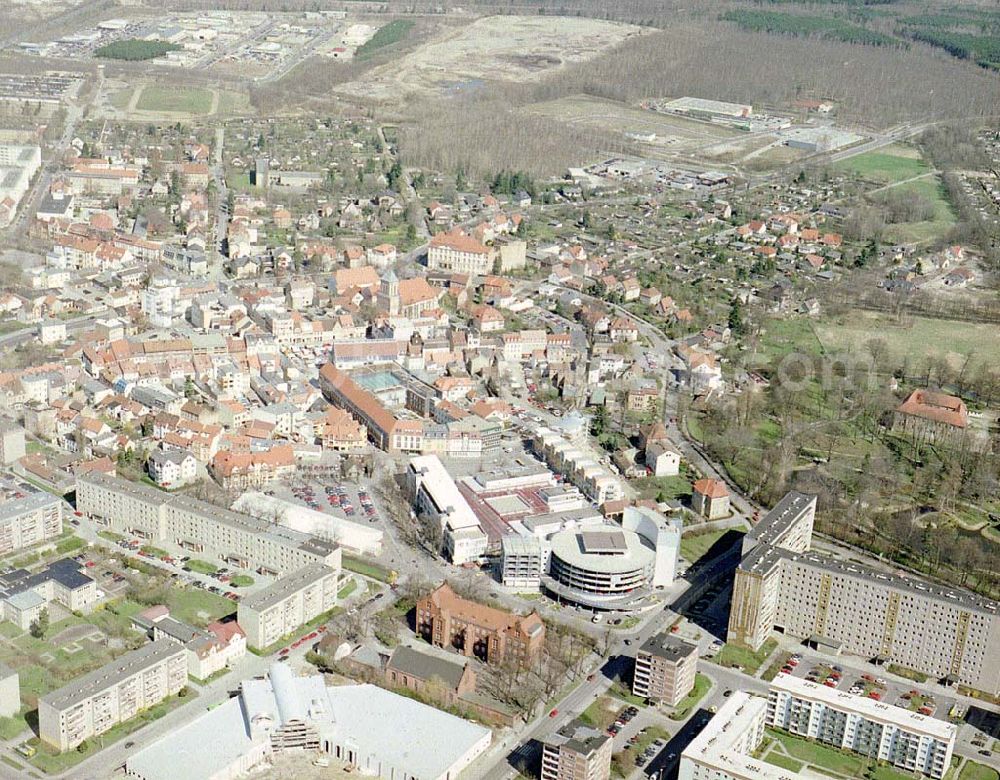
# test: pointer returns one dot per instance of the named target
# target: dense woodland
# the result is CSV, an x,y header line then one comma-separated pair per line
x,y
873,86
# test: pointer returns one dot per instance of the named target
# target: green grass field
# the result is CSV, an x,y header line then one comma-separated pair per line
x,y
198,607
694,544
184,100
202,567
784,762
367,568
930,189
743,657
915,338
385,36
819,755
348,589
601,713
976,771
685,705
894,163
121,98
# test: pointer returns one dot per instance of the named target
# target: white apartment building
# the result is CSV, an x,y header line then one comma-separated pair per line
x,y
172,467
579,465
905,739
115,693
30,520
18,165
241,541
576,752
723,749
291,602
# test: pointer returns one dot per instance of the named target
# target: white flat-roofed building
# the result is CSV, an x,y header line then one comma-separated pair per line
x,y
354,537
602,568
663,534
703,107
291,602
10,692
723,749
515,478
436,495
379,733
905,739
18,165
115,693
11,443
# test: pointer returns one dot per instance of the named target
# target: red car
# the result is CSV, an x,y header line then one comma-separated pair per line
x,y
553,713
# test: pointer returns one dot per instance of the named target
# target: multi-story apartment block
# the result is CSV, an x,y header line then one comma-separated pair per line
x,y
291,602
242,541
492,635
665,668
116,692
723,750
779,585
29,520
905,739
576,752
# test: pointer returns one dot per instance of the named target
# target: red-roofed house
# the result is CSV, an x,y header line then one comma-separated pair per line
x,y
710,498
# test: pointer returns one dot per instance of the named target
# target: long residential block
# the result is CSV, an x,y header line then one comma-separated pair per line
x,y
242,541
116,692
843,606
905,739
291,602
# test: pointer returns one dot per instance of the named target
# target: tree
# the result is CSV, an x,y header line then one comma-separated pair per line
x,y
40,624
736,324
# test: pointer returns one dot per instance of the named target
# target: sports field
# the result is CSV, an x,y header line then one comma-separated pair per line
x,y
183,100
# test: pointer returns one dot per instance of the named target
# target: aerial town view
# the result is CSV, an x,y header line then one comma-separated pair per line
x,y
500,389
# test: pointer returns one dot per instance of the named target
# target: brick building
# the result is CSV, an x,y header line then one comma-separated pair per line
x,y
446,620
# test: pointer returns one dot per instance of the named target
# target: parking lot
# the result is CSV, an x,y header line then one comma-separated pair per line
x,y
842,677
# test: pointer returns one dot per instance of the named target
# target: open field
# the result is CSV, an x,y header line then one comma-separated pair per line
x,y
893,163
930,189
732,656
673,134
915,337
502,48
184,100
975,771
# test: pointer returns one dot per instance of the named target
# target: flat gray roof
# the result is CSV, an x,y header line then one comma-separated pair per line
x,y
30,503
775,524
284,587
668,646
